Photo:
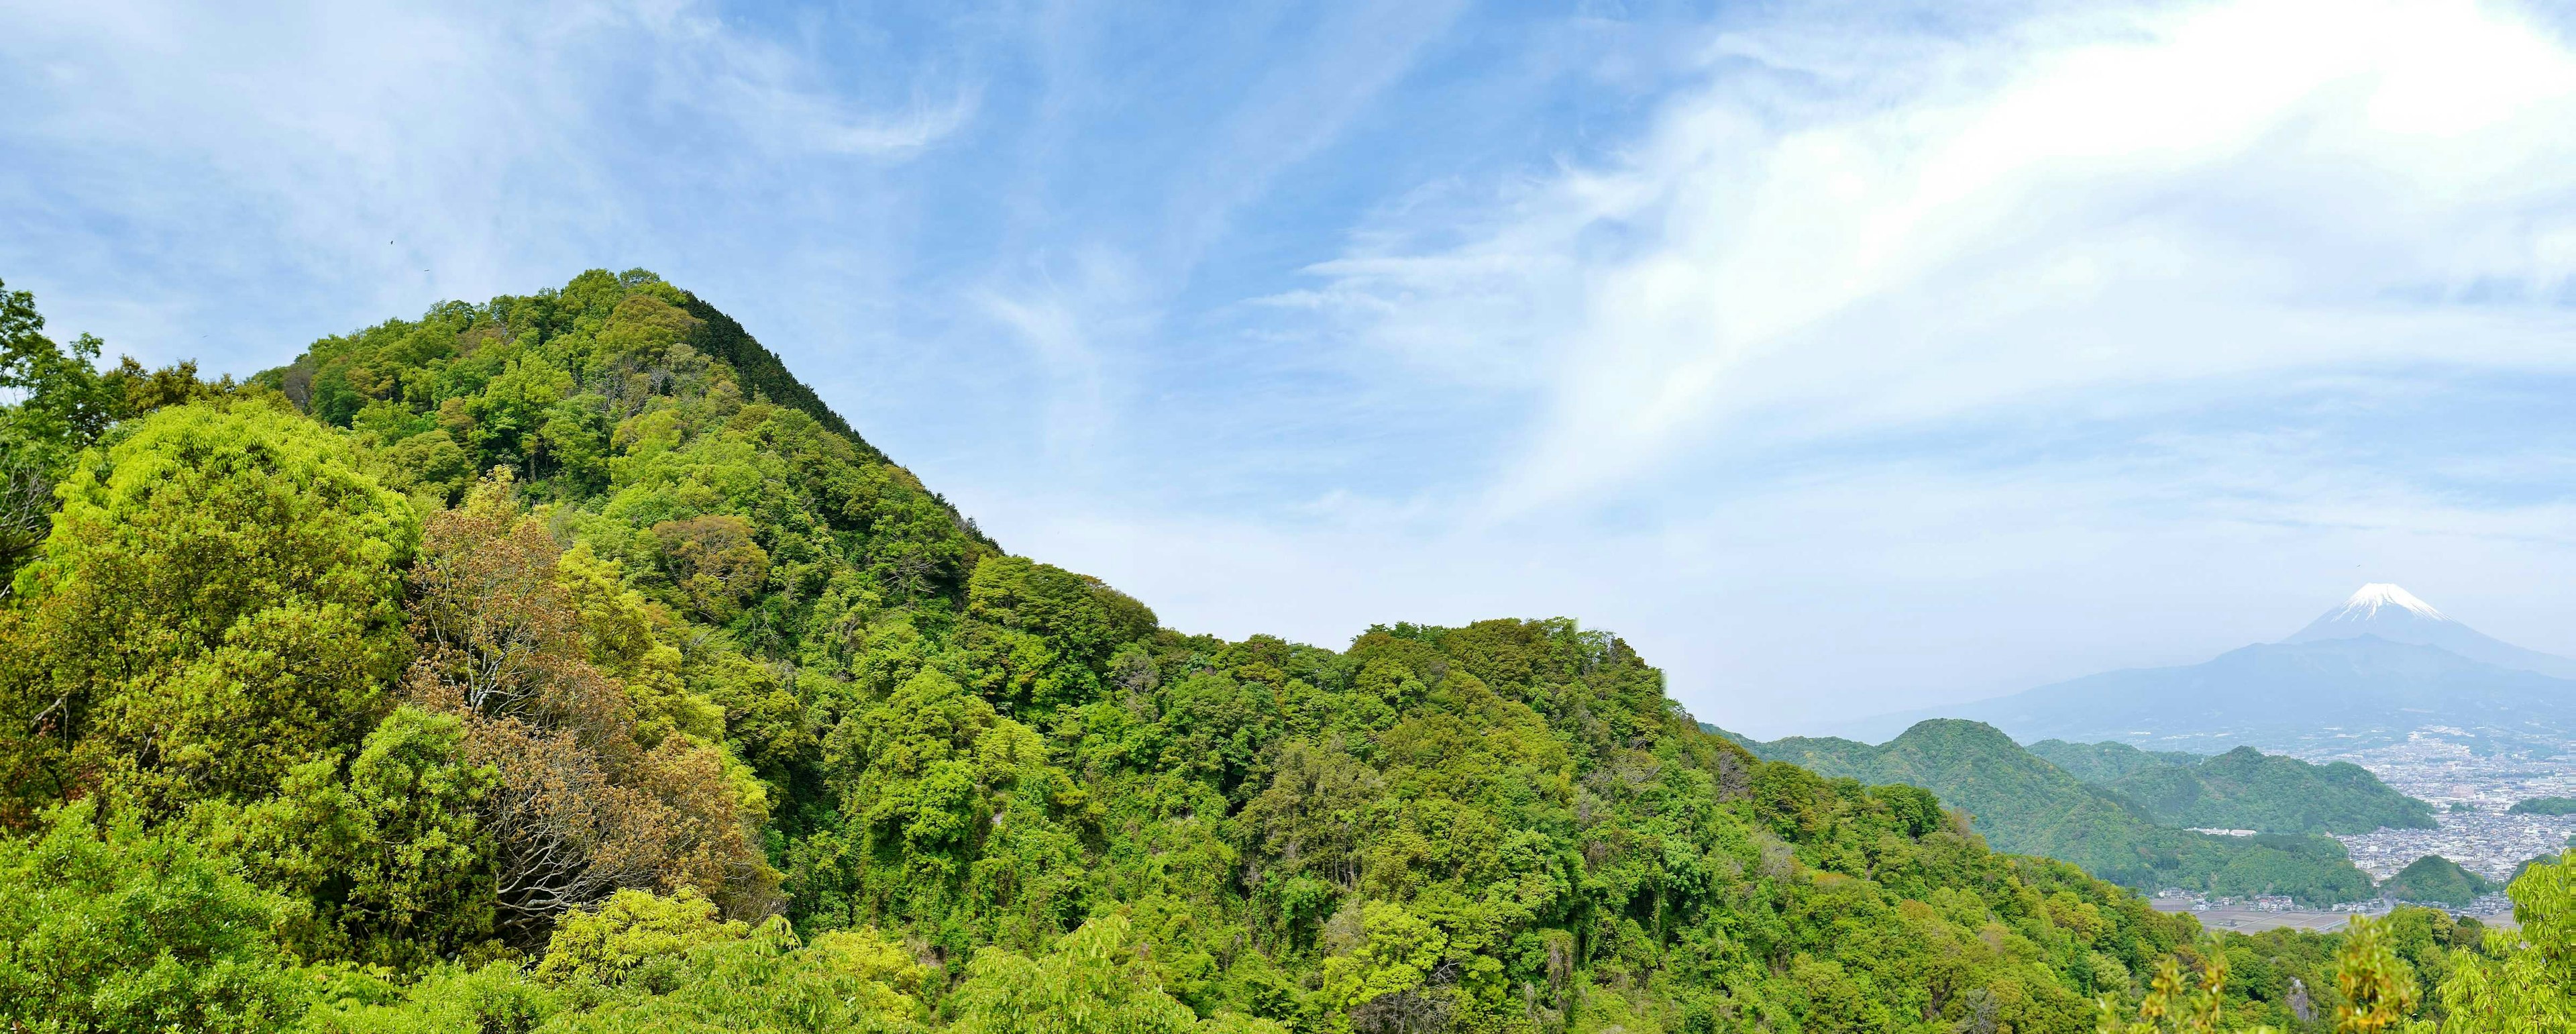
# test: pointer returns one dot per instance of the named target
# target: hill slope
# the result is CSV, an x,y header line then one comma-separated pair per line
x,y
2241,789
2022,803
2435,880
2101,763
560,663
2247,789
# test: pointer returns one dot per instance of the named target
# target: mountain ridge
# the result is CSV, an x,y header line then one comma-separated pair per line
x,y
2383,664
2390,612
560,665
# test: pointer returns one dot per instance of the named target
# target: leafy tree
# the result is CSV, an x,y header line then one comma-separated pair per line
x,y
1094,981
629,929
114,929
2524,983
499,998
2379,989
53,404
2173,1005
388,847
216,604
580,807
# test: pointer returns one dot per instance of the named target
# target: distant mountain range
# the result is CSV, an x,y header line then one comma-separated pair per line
x,y
2022,803
2382,665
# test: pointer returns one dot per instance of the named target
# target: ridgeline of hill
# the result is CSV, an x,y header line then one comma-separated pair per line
x,y
2435,880
2022,803
2543,806
2106,762
2242,789
561,663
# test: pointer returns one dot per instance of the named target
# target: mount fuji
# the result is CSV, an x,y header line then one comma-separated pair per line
x,y
2380,666
2393,614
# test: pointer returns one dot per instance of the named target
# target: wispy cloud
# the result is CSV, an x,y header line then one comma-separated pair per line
x,y
401,153
2127,196
1839,358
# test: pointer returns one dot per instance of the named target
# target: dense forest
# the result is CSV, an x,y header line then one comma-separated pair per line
x,y
2242,789
2023,803
2108,761
562,663
2434,879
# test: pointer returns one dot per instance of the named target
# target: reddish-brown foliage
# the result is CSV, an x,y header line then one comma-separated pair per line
x,y
583,809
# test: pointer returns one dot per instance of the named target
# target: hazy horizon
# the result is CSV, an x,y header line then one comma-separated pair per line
x,y
1843,362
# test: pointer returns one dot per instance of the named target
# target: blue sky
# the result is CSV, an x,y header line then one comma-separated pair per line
x,y
1843,357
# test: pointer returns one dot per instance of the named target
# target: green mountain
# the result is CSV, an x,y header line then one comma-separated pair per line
x,y
2435,880
561,663
2242,789
2543,806
1731,737
2103,763
2022,803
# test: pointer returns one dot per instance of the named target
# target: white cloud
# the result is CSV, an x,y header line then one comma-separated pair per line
x,y
1871,366
2128,196
373,157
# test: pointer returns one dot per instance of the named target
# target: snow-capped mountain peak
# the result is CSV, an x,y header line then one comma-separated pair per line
x,y
2388,612
2369,600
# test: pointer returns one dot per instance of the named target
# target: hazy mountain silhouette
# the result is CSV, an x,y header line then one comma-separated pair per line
x,y
2381,665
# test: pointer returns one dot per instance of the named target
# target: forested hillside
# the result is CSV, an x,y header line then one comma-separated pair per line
x,y
2247,789
2022,803
2105,762
2242,789
560,663
2434,879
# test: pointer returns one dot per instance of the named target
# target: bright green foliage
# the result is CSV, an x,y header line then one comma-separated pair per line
x,y
631,928
217,604
2173,1005
52,404
2527,982
2435,880
643,963
2543,806
499,998
764,983
1096,980
55,403
1042,634
2291,979
388,850
2022,803
2379,989
119,930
